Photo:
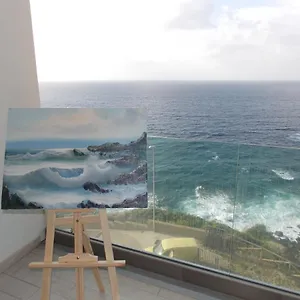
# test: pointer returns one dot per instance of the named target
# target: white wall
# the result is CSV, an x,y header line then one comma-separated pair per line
x,y
18,88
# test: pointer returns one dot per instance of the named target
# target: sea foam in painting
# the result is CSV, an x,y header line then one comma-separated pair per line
x,y
60,158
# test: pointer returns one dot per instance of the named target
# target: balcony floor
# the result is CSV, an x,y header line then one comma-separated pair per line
x,y
21,283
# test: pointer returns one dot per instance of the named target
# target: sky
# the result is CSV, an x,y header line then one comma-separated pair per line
x,y
79,40
73,123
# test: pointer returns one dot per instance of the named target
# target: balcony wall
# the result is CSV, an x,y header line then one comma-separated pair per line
x,y
18,88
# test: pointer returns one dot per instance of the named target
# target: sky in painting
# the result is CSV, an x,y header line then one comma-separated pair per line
x,y
72,123
167,39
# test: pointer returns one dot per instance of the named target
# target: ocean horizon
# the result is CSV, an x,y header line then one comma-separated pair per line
x,y
225,151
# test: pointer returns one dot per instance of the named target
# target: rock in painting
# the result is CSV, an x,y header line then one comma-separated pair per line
x,y
140,201
141,142
134,177
93,187
91,204
14,201
78,152
124,161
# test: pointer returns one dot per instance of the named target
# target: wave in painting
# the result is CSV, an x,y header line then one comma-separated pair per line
x,y
109,175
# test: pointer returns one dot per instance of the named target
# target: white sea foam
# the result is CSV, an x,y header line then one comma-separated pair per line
x,y
283,174
93,170
295,137
274,212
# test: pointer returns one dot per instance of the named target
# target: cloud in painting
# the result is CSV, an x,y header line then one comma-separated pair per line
x,y
85,123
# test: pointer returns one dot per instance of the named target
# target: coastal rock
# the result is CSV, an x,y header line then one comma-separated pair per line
x,y
77,152
5,197
140,143
108,147
34,205
14,201
17,202
142,139
279,233
117,147
136,176
93,187
124,161
140,201
91,204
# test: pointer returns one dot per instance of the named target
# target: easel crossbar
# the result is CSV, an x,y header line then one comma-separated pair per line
x,y
79,264
84,220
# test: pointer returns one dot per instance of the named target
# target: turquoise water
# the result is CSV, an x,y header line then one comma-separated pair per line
x,y
239,185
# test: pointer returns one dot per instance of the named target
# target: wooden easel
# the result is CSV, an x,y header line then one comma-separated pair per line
x,y
79,260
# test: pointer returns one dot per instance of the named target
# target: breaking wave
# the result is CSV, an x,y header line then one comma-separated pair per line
x,y
66,178
274,212
285,175
46,155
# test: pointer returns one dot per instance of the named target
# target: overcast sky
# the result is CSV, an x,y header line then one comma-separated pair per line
x,y
74,123
167,39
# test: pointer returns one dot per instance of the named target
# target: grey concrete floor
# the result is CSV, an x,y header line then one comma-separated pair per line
x,y
21,283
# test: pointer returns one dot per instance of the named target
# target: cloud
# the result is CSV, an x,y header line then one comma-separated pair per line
x,y
170,39
261,42
76,123
194,14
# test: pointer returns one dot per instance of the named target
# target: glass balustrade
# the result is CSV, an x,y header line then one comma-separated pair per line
x,y
233,208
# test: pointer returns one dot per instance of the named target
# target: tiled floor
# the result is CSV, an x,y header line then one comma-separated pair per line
x,y
20,282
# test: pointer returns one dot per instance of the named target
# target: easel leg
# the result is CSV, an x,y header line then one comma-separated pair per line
x,y
48,257
78,259
109,254
88,249
78,251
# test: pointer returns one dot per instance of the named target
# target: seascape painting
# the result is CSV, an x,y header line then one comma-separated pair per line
x,y
66,158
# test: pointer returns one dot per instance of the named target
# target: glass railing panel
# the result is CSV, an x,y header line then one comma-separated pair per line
x,y
232,208
267,216
195,187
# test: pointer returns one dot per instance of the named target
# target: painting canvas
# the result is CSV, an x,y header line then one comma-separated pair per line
x,y
65,158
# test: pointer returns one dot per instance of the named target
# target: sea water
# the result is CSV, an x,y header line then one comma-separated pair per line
x,y
224,151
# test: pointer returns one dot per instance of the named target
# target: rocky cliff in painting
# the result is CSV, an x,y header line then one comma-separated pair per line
x,y
136,176
132,154
134,146
14,201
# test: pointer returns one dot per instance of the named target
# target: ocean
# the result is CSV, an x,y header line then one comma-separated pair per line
x,y
223,151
